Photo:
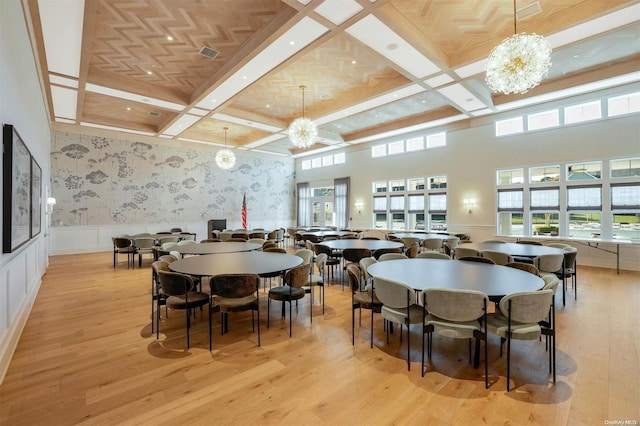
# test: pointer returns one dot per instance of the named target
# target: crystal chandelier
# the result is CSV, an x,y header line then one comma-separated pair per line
x,y
519,63
303,131
225,158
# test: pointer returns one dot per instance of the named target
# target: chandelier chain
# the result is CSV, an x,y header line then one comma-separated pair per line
x,y
515,20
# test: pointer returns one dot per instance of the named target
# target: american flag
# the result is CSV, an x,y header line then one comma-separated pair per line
x,y
244,211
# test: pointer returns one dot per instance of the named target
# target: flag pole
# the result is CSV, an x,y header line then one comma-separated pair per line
x,y
244,211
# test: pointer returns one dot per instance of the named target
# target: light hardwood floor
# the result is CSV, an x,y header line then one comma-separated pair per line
x,y
87,355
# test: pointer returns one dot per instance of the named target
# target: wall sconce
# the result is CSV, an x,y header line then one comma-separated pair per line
x,y
50,203
469,204
359,205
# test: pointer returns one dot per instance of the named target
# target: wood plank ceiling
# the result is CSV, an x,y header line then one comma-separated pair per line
x,y
371,67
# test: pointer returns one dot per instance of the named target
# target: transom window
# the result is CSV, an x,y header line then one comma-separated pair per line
x,y
629,167
584,171
583,112
509,177
412,144
544,174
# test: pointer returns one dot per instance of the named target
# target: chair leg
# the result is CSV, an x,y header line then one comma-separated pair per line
x,y
188,325
553,342
210,328
353,324
508,362
158,319
311,303
422,358
290,320
486,359
268,311
153,300
372,327
408,345
258,315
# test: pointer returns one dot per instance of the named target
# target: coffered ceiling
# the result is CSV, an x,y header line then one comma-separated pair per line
x,y
372,68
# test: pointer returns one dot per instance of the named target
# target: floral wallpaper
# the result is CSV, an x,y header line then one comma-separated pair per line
x,y
104,181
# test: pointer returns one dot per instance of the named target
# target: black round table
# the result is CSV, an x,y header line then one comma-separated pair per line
x,y
215,248
357,243
323,234
421,235
252,262
515,249
421,274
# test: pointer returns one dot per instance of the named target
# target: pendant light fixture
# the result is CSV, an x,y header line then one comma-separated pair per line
x,y
302,131
519,63
225,158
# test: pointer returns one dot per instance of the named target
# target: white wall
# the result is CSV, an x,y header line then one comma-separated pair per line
x,y
470,160
21,104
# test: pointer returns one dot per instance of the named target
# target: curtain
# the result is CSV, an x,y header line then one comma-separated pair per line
x,y
341,202
304,199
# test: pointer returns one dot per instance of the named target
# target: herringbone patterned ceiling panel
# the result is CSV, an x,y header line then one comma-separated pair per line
x,y
107,110
212,130
341,69
462,26
131,38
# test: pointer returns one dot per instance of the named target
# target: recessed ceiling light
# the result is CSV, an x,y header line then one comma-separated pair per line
x,y
268,106
149,73
169,38
353,62
128,108
292,42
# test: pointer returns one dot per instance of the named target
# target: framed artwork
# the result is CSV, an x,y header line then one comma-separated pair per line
x,y
16,199
36,198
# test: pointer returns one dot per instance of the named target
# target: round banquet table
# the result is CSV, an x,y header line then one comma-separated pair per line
x,y
252,262
421,274
322,234
356,243
215,248
421,236
515,249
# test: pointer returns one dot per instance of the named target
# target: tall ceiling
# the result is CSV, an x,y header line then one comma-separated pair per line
x,y
372,68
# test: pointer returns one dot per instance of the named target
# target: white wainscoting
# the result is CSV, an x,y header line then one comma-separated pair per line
x,y
20,278
88,239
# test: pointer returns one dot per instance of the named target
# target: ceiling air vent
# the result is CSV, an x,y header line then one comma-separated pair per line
x,y
208,52
528,11
154,114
